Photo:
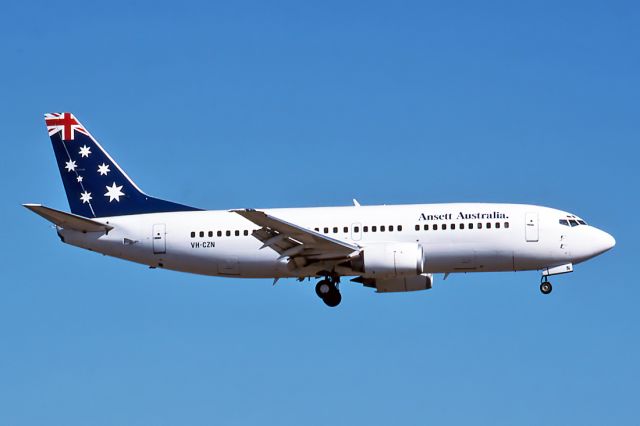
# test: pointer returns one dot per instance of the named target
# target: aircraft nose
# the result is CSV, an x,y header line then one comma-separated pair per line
x,y
610,242
604,241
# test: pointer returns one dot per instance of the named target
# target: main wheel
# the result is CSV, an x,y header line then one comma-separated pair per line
x,y
545,287
332,299
323,288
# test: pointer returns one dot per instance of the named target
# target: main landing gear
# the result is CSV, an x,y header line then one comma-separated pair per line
x,y
545,287
327,290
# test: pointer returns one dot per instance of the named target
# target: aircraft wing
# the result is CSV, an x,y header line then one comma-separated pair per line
x,y
291,240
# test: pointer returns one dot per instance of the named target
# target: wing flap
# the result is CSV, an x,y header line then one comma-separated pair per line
x,y
68,220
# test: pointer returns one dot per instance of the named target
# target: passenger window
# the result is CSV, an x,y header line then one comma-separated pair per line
x,y
345,229
435,227
326,230
365,229
471,226
356,229
497,225
479,226
426,227
417,227
335,229
219,233
488,225
453,226
390,228
237,233
462,226
444,226
193,234
316,229
201,234
382,228
210,233
399,228
228,233
506,224
246,233
374,228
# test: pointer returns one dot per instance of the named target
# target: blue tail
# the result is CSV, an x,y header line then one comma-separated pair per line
x,y
96,186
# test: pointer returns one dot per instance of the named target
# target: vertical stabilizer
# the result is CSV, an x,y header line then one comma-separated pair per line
x,y
95,185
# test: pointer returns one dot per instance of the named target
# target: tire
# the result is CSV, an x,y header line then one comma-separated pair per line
x,y
546,287
323,288
333,299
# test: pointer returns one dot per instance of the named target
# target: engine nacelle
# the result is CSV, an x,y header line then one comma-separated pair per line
x,y
392,260
401,284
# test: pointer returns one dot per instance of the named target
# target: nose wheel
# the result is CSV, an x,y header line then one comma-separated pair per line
x,y
545,287
328,291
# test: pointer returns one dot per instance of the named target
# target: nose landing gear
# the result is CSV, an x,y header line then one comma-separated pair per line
x,y
327,290
545,287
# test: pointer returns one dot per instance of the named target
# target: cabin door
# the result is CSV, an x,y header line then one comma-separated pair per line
x,y
159,238
531,229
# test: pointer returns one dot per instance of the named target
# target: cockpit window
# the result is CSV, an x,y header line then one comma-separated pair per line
x,y
572,221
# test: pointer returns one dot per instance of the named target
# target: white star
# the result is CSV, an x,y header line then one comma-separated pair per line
x,y
70,166
79,178
103,169
85,197
114,193
85,151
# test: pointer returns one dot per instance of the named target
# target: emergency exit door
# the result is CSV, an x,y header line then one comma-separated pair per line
x,y
159,241
531,227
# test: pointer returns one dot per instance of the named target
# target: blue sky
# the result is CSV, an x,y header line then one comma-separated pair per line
x,y
254,104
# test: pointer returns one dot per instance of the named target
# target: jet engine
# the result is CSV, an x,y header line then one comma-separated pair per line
x,y
387,260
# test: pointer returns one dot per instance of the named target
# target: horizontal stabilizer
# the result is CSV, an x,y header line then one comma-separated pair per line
x,y
68,220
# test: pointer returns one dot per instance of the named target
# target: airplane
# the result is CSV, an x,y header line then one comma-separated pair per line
x,y
395,248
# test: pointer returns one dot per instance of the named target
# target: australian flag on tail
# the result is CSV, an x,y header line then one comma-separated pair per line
x,y
96,186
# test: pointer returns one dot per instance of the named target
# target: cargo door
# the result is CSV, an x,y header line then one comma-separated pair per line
x,y
229,265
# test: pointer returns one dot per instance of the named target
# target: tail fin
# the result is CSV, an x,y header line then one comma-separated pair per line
x,y
96,186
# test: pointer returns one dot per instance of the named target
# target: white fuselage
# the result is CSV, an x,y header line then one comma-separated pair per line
x,y
464,237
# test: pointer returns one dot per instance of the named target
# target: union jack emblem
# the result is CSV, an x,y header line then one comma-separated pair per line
x,y
64,122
